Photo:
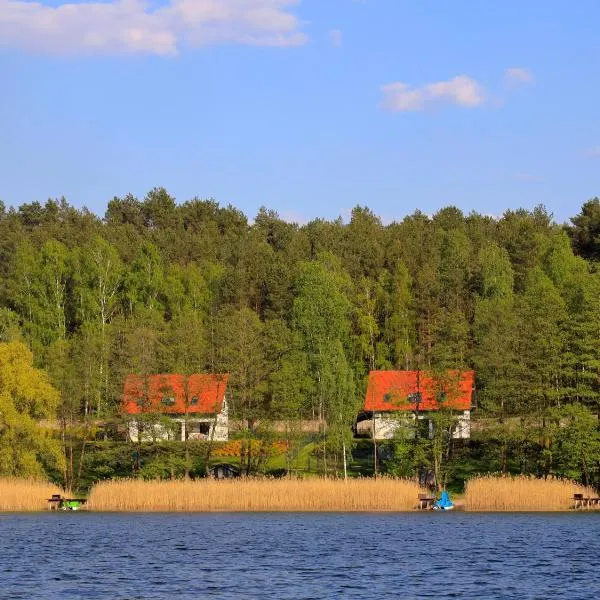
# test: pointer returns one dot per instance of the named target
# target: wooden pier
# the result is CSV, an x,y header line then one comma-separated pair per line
x,y
581,502
57,502
425,502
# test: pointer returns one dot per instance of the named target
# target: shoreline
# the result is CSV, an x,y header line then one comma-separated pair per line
x,y
483,494
301,511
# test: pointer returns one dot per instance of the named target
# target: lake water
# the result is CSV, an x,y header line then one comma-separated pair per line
x,y
299,556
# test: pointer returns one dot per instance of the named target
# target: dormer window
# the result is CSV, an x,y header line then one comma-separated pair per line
x,y
415,398
168,401
142,402
194,401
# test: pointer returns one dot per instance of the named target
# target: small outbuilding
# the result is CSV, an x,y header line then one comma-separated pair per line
x,y
224,471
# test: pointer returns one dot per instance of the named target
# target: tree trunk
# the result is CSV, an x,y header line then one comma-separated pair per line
x,y
586,474
345,463
186,473
375,471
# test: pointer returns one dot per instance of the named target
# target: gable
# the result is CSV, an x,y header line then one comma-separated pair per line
x,y
407,390
174,394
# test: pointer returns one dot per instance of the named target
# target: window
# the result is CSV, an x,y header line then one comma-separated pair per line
x,y
442,397
198,430
415,398
194,401
387,398
142,402
167,401
424,428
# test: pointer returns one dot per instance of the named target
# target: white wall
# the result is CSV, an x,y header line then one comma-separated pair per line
x,y
221,426
386,425
462,431
219,429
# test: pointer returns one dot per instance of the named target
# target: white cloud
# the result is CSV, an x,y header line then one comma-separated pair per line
x,y
460,90
335,37
517,75
138,26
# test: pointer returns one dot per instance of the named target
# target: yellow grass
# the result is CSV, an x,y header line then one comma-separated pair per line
x,y
25,494
521,493
255,495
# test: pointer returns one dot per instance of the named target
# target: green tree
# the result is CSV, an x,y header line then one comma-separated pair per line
x,y
366,324
55,271
289,384
363,252
582,355
495,335
144,281
450,341
97,282
399,318
25,289
540,345
576,443
321,315
337,386
241,353
585,230
9,325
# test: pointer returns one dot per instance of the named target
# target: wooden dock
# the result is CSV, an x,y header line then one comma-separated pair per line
x,y
581,502
57,502
425,502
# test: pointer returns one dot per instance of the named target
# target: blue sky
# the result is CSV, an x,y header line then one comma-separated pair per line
x,y
308,107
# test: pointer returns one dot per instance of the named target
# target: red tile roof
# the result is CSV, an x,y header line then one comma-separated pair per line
x,y
392,390
167,394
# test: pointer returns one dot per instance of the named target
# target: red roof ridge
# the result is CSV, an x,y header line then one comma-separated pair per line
x,y
425,390
173,393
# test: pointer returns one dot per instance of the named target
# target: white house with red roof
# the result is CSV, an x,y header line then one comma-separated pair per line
x,y
394,397
176,407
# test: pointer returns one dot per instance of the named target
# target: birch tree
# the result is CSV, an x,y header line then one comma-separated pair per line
x,y
321,315
98,278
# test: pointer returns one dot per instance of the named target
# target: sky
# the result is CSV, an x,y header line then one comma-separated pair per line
x,y
308,107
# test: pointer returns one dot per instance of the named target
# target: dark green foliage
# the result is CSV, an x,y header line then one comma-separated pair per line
x,y
585,231
160,460
299,315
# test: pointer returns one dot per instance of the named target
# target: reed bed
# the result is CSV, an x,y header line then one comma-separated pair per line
x,y
241,495
25,495
521,493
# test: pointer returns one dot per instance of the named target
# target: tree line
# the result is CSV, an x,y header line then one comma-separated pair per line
x,y
299,314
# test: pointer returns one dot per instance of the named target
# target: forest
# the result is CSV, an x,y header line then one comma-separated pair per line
x,y
298,315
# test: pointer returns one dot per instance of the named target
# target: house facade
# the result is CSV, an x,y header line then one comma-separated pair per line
x,y
176,407
397,398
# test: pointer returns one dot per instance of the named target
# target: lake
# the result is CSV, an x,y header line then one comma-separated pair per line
x,y
299,556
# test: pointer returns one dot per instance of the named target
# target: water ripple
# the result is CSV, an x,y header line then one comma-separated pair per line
x,y
299,556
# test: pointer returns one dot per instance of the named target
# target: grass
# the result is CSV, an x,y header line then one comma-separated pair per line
x,y
521,493
25,495
241,495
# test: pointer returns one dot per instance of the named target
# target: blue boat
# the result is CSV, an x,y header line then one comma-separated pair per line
x,y
444,503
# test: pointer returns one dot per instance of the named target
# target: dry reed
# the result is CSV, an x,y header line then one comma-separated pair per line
x,y
242,495
25,494
521,493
